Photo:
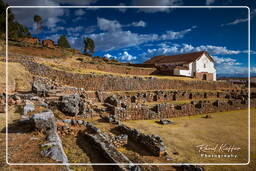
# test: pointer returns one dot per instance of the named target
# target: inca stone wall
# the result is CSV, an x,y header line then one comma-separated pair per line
x,y
153,143
167,110
120,83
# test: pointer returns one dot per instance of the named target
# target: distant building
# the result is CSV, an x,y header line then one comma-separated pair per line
x,y
48,43
197,65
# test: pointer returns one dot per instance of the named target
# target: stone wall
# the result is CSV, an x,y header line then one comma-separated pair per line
x,y
151,142
168,110
132,70
122,83
200,75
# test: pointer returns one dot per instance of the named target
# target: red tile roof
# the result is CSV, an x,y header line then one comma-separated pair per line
x,y
180,58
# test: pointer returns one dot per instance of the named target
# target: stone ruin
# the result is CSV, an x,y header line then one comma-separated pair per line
x,y
48,43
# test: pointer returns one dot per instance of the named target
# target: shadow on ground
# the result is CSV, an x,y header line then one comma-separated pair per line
x,y
94,155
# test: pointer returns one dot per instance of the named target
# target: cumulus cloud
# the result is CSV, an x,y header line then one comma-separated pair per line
x,y
114,37
125,56
109,56
166,49
156,3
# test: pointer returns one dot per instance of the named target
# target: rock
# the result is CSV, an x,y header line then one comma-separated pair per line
x,y
165,122
73,122
44,121
40,87
43,104
80,122
135,168
191,168
71,105
29,107
85,123
36,98
92,128
68,121
54,153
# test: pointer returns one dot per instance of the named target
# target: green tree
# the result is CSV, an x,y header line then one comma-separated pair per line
x,y
63,42
38,22
15,29
89,46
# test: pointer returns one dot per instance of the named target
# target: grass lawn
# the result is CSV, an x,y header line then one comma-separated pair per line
x,y
188,132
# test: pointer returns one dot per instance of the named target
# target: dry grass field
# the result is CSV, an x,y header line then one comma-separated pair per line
x,y
187,132
18,77
71,65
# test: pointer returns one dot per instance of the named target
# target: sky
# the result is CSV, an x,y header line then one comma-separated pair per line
x,y
137,34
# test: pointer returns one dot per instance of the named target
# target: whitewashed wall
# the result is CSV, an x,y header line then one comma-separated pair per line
x,y
203,64
187,73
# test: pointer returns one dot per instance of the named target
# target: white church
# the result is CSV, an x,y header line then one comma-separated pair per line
x,y
198,65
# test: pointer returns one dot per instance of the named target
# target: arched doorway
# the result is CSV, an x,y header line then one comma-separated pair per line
x,y
204,77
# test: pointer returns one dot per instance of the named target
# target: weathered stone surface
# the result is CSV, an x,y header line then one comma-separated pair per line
x,y
68,121
71,105
165,122
40,88
44,121
102,145
92,128
53,148
153,143
29,107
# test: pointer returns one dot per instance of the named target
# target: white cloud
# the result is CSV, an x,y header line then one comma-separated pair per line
x,y
156,3
125,56
115,38
240,20
79,12
108,25
139,24
226,61
75,29
209,2
166,49
109,56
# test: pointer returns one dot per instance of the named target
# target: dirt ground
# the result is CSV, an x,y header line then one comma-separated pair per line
x,y
179,137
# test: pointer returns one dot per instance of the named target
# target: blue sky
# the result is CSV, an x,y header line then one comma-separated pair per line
x,y
135,35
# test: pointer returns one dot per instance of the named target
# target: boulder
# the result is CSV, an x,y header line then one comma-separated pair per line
x,y
165,122
29,107
40,88
54,149
44,121
72,105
